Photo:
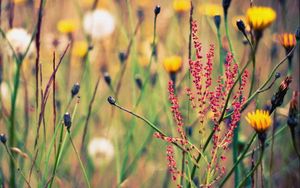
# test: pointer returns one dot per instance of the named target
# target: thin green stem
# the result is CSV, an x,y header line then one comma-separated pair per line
x,y
242,183
80,161
221,57
15,162
12,128
240,158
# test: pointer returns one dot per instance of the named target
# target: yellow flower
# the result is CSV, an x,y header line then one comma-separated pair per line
x,y
210,9
260,18
181,6
240,17
80,48
260,120
172,64
287,40
66,26
19,2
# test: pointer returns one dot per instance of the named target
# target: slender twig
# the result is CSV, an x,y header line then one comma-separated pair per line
x,y
54,100
88,116
37,46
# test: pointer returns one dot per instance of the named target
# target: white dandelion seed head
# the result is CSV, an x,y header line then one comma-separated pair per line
x,y
101,150
19,39
98,23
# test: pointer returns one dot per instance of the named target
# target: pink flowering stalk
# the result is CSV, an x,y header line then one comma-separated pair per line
x,y
206,96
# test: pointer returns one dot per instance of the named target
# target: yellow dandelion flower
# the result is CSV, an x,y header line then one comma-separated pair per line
x,y
260,18
240,17
210,9
181,6
172,64
260,120
19,2
287,40
66,26
80,48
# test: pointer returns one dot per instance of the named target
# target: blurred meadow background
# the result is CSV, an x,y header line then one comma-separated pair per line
x,y
87,101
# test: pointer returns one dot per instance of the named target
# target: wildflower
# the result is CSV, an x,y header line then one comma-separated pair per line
x,y
287,40
19,2
3,138
157,10
66,26
80,48
67,120
98,23
172,64
19,39
210,9
260,120
101,150
75,89
181,6
260,18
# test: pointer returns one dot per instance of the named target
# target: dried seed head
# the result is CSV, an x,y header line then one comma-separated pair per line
x,y
75,89
111,100
217,20
107,78
67,120
278,97
293,119
3,138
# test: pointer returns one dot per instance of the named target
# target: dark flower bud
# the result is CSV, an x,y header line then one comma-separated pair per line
x,y
226,4
277,75
293,119
75,89
138,81
153,79
278,97
262,137
157,10
90,47
189,130
241,26
217,19
122,57
111,100
107,78
67,120
140,14
297,33
3,138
